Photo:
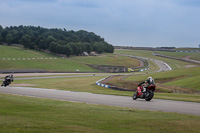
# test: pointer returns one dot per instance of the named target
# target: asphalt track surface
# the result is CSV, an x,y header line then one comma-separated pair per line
x,y
111,100
162,65
71,76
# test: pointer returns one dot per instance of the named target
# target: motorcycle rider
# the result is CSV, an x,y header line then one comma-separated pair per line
x,y
8,79
149,81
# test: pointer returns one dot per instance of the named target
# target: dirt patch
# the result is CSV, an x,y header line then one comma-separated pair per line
x,y
117,81
22,85
33,52
188,66
187,57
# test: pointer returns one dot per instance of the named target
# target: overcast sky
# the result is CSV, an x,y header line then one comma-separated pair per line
x,y
145,23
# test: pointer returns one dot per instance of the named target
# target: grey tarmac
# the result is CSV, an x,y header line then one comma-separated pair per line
x,y
111,100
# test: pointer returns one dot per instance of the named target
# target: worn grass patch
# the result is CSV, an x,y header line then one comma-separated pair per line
x,y
24,114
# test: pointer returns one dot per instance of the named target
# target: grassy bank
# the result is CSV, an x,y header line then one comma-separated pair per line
x,y
174,64
24,114
184,78
19,58
108,59
190,55
20,52
56,65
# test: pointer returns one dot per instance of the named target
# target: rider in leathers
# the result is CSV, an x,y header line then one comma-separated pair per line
x,y
149,81
9,79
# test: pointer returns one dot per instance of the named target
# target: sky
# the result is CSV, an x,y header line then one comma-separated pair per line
x,y
137,23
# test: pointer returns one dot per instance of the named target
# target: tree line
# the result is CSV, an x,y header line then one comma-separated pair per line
x,y
56,40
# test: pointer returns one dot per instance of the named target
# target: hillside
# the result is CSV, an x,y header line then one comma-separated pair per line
x,y
174,64
18,58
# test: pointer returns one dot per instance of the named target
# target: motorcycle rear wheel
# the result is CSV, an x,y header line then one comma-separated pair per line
x,y
149,95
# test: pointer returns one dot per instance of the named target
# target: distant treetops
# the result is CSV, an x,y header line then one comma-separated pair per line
x,y
58,41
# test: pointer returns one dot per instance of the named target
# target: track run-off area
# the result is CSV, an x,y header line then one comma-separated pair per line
x,y
110,100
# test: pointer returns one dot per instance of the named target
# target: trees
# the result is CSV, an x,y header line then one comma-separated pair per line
x,y
52,47
55,40
9,38
87,47
0,39
67,50
1,29
26,41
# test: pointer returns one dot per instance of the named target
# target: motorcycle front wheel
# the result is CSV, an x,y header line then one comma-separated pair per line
x,y
135,96
3,84
149,95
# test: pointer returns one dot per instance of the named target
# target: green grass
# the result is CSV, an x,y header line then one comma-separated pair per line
x,y
19,52
57,65
187,49
81,84
108,59
168,74
188,82
67,64
153,66
194,56
178,97
185,78
174,64
25,114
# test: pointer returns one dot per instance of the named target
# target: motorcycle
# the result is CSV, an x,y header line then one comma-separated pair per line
x,y
147,95
7,82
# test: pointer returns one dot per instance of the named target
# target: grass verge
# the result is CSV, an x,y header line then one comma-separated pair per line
x,y
25,114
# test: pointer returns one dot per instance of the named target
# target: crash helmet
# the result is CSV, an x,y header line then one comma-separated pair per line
x,y
150,79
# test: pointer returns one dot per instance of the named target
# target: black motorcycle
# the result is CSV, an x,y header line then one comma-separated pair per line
x,y
7,81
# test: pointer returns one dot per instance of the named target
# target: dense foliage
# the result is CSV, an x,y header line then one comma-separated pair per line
x,y
55,40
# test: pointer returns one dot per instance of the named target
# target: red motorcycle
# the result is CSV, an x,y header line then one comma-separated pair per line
x,y
147,95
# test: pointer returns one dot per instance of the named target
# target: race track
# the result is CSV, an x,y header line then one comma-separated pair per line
x,y
111,100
